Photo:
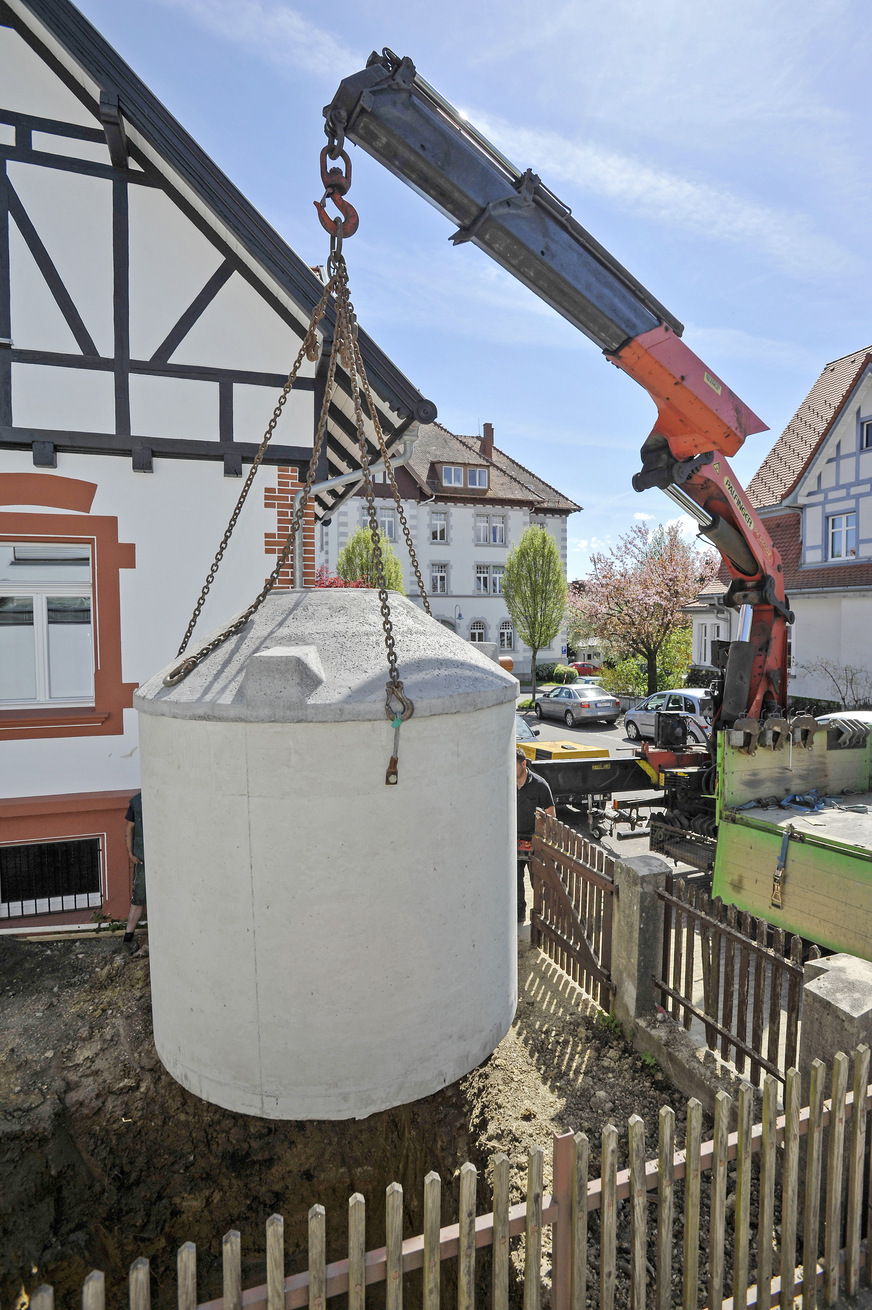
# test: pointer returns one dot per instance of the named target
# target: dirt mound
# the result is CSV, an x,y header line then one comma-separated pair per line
x,y
104,1157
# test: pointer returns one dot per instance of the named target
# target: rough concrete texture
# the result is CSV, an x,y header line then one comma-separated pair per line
x,y
442,673
637,934
836,1009
693,1069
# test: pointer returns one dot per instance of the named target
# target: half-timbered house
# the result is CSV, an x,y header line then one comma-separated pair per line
x,y
148,319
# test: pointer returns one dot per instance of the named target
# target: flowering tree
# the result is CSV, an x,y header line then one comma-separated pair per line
x,y
534,586
635,595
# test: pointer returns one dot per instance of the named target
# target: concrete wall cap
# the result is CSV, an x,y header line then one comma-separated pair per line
x,y
327,662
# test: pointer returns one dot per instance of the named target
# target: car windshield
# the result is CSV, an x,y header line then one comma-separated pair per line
x,y
523,731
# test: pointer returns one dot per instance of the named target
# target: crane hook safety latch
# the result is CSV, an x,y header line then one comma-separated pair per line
x,y
336,184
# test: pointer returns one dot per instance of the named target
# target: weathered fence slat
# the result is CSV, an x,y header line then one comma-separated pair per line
x,y
186,1276
671,943
500,1266
394,1247
665,1202
744,992
794,1001
579,1222
563,1173
608,1217
855,1172
689,953
790,1188
94,1291
729,981
811,1218
533,1231
139,1282
835,1165
742,1212
776,981
275,1263
692,1184
357,1251
766,1207
638,1212
466,1222
718,1203
317,1257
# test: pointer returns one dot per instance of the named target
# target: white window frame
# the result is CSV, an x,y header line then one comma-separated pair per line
x,y
507,630
838,525
40,592
439,571
477,478
477,632
439,519
482,580
498,530
452,475
387,522
866,433
498,573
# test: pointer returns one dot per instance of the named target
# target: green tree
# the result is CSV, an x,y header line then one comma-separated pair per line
x,y
534,585
356,563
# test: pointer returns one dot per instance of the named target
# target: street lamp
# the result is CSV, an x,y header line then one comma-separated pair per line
x,y
457,615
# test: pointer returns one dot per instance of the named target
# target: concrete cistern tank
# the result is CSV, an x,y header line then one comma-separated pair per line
x,y
322,945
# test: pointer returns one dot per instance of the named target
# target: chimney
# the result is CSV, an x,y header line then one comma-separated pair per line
x,y
487,441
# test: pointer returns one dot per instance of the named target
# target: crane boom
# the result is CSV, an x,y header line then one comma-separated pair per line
x,y
395,116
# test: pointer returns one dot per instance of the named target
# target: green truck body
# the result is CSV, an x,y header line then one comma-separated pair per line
x,y
808,871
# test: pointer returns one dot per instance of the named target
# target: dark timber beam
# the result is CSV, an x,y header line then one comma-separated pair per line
x,y
113,128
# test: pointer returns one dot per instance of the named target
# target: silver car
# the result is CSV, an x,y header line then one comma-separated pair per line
x,y
582,704
694,703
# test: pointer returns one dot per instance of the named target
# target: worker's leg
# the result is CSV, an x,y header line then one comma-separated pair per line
x,y
137,905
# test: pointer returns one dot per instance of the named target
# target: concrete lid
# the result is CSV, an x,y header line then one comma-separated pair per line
x,y
319,657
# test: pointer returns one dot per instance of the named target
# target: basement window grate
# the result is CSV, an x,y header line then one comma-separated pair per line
x,y
48,877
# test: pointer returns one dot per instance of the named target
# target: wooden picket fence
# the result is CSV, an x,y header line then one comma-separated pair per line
x,y
751,974
573,896
793,1206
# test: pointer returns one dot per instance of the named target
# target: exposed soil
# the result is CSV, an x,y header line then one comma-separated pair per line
x,y
104,1157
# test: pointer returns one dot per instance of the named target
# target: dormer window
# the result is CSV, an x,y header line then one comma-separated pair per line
x,y
478,477
452,475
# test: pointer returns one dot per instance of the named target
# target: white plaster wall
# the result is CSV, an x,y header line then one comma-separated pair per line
x,y
31,88
176,516
833,627
373,952
67,399
170,262
73,215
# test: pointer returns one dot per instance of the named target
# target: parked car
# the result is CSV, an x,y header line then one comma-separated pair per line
x,y
845,716
590,680
693,703
582,703
581,667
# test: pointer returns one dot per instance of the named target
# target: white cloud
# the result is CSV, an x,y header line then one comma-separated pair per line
x,y
642,517
275,32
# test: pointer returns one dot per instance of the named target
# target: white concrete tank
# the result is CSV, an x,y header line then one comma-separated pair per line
x,y
322,945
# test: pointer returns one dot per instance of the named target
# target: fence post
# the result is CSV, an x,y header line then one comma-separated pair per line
x,y
563,1172
637,935
836,1010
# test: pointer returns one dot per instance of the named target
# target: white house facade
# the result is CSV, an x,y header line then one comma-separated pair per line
x,y
814,494
148,320
467,504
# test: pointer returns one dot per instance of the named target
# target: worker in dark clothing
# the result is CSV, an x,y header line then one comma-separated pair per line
x,y
533,794
136,855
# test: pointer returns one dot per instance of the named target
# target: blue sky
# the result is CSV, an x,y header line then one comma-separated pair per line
x,y
718,148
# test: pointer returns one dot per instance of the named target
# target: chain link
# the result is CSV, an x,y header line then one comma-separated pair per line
x,y
345,348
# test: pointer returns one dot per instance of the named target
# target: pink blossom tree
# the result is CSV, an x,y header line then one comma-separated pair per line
x,y
635,594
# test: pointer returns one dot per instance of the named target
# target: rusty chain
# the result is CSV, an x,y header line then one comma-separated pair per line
x,y
345,348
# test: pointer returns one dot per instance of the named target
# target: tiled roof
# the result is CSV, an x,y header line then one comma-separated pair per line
x,y
789,457
508,481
